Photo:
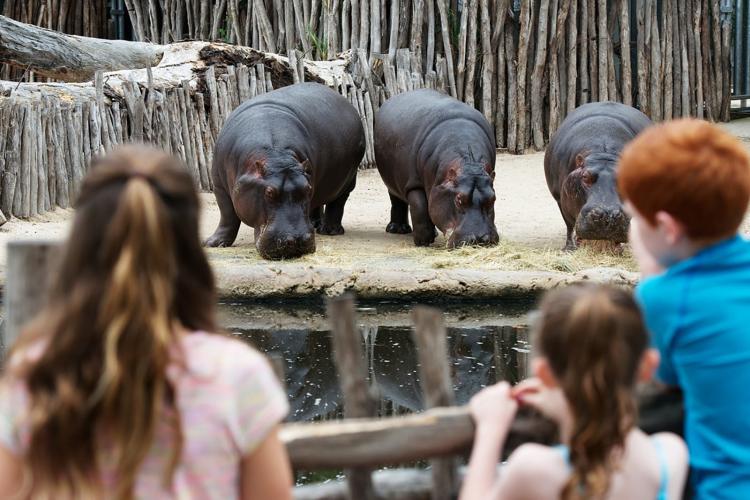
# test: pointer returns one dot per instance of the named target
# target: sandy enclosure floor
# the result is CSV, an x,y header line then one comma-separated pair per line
x,y
531,228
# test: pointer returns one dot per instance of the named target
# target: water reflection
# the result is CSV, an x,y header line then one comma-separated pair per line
x,y
484,346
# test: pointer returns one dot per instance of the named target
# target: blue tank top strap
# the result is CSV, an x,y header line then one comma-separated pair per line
x,y
663,470
564,452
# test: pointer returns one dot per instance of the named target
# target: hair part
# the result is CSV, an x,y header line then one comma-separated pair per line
x,y
593,338
691,169
132,272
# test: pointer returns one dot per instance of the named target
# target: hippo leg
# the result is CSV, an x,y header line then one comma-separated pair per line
x,y
424,229
399,217
570,239
334,212
229,224
315,217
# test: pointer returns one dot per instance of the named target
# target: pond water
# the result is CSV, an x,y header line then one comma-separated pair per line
x,y
487,342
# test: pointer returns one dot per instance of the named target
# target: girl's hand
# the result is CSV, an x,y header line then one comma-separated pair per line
x,y
549,401
494,406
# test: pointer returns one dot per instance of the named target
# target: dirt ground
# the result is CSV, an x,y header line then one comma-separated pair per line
x,y
531,228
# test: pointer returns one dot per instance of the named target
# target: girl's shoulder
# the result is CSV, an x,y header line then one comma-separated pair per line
x,y
209,353
535,471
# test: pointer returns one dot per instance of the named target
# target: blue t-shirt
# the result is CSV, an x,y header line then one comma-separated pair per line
x,y
698,313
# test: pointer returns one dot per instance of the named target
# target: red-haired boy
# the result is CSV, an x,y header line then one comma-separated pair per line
x,y
686,185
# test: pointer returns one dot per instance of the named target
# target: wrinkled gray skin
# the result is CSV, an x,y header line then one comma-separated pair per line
x,y
279,159
581,169
436,156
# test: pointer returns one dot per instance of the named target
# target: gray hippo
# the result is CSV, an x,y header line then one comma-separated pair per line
x,y
281,157
436,156
581,167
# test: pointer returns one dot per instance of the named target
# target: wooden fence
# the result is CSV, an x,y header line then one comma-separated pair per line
x,y
49,135
525,64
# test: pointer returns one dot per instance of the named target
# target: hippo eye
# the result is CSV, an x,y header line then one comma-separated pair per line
x,y
271,193
587,178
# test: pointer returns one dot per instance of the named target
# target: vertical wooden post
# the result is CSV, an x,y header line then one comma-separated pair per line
x,y
350,363
29,265
437,388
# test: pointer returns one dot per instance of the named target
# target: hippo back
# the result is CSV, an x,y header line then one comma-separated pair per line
x,y
598,127
420,129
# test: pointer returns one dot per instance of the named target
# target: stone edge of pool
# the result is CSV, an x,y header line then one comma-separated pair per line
x,y
238,282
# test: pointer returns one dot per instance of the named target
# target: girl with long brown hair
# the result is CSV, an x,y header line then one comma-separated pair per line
x,y
119,389
591,350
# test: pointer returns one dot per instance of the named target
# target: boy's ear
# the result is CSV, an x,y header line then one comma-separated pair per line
x,y
649,364
673,229
542,370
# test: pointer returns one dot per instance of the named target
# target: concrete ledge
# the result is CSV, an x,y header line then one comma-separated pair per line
x,y
251,282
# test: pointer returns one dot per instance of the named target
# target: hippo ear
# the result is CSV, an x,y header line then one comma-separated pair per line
x,y
580,160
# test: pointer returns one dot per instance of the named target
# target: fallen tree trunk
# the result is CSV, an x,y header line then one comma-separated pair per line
x,y
68,57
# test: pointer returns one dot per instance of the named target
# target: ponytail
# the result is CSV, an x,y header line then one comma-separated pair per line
x,y
593,338
100,386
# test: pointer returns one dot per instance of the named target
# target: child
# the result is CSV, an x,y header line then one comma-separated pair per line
x,y
686,185
591,350
120,389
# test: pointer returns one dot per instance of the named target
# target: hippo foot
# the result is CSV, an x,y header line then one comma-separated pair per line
x,y
396,228
217,241
569,247
424,239
330,229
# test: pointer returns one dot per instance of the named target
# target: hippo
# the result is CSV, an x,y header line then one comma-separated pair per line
x,y
581,166
279,159
436,156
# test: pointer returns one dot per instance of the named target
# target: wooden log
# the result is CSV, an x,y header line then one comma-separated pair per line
x,y
24,208
523,49
463,38
59,140
213,102
430,58
11,177
488,61
444,28
707,67
29,267
393,35
593,50
364,24
417,22
375,26
667,42
510,51
625,71
537,119
430,337
362,442
644,103
685,73
676,61
471,57
699,99
68,57
498,44
358,400
32,124
264,25
583,56
557,36
603,47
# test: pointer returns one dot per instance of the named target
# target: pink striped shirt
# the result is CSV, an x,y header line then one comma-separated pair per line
x,y
229,399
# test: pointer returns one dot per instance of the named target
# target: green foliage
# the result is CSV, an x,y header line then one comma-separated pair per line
x,y
318,44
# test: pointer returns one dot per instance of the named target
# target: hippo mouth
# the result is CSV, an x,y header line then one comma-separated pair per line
x,y
273,245
615,230
456,239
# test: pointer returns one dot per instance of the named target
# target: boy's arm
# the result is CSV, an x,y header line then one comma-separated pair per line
x,y
660,313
